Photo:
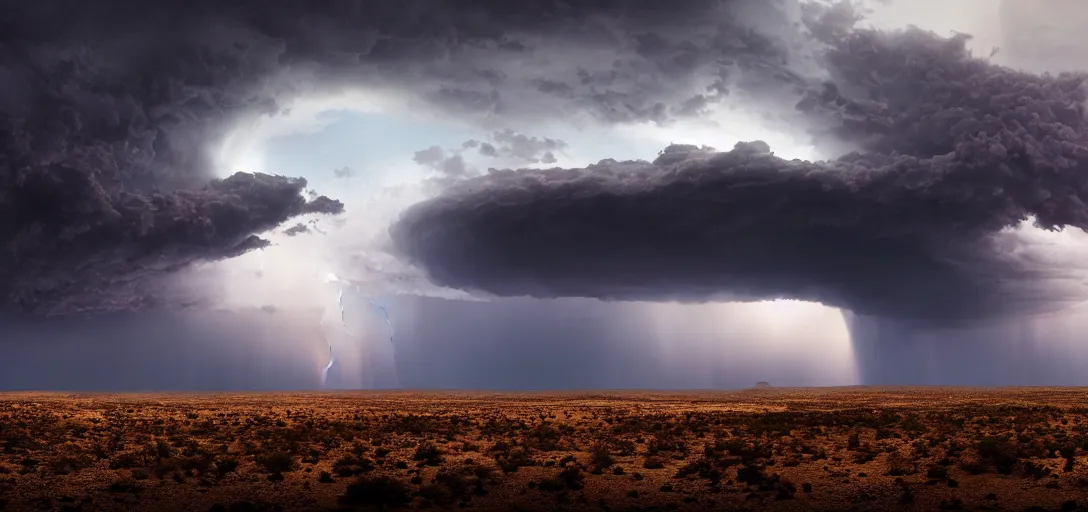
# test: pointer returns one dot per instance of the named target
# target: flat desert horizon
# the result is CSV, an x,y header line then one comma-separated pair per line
x,y
841,448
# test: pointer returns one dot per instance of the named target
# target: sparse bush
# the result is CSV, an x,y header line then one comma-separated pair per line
x,y
600,457
900,465
225,465
516,458
276,462
570,478
453,480
428,454
436,494
653,463
381,493
352,465
751,474
544,437
999,452
66,464
123,486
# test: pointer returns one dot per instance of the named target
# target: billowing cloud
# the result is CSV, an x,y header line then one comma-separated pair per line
x,y
447,163
511,144
506,146
951,153
108,109
103,254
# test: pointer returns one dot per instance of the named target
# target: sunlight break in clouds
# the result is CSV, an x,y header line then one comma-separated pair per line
x,y
357,243
289,276
292,275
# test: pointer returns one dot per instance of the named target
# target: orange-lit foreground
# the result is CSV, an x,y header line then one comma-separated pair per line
x,y
765,449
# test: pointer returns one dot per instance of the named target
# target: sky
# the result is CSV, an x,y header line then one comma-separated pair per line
x,y
629,235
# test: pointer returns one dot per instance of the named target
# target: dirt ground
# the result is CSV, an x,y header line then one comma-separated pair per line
x,y
765,449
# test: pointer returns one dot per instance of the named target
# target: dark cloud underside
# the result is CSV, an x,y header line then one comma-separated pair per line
x,y
108,109
951,150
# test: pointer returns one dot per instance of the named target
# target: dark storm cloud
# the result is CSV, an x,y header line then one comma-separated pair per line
x,y
108,109
951,150
102,256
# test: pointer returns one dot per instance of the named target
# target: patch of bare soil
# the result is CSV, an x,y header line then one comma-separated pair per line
x,y
764,449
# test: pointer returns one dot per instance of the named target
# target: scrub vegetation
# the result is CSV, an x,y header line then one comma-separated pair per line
x,y
759,449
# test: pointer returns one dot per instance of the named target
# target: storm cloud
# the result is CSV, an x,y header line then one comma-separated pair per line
x,y
108,110
949,154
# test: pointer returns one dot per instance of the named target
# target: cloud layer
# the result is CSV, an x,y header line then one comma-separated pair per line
x,y
108,110
950,152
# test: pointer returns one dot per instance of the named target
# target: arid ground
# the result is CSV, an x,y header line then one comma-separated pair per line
x,y
765,449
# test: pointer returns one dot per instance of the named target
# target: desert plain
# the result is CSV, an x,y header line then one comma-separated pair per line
x,y
853,448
